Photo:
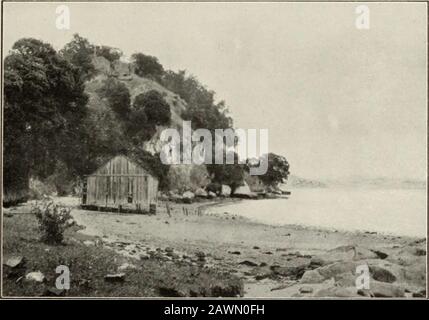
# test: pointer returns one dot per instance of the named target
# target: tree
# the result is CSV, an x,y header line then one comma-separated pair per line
x,y
277,172
43,115
147,66
157,110
229,174
111,54
139,129
118,97
202,110
79,52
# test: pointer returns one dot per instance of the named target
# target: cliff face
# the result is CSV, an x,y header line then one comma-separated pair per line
x,y
188,178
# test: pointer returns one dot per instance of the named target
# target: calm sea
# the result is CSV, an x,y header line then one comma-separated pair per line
x,y
393,211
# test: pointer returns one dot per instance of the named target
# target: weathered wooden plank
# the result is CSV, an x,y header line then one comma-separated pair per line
x,y
120,177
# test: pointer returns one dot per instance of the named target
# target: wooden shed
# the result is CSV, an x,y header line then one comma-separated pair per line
x,y
122,184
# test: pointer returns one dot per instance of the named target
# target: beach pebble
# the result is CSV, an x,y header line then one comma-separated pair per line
x,y
234,252
306,289
312,276
15,262
35,276
126,266
117,277
383,290
339,292
248,263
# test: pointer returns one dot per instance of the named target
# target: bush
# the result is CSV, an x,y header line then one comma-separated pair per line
x,y
157,110
147,66
117,95
53,220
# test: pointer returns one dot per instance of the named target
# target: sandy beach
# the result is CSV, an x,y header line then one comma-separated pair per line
x,y
273,261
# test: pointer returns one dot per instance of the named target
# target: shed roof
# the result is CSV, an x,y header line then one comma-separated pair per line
x,y
132,158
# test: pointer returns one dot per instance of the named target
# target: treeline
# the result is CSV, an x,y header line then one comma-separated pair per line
x,y
51,135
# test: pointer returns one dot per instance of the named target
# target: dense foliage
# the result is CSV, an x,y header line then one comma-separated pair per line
x,y
147,66
44,112
79,52
118,97
277,172
155,107
202,109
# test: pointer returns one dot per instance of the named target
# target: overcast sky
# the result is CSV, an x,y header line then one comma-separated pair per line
x,y
337,101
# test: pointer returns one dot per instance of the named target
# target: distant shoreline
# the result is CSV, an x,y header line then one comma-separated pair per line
x,y
270,214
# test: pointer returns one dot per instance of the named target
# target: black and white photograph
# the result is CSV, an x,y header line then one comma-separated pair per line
x,y
230,150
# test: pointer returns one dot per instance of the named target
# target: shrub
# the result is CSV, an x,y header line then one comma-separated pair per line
x,y
157,110
53,220
147,66
117,95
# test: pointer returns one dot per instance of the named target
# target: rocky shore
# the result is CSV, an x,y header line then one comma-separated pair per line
x,y
282,261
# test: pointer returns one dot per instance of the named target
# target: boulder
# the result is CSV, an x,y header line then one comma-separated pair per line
x,y
386,271
380,254
415,275
330,271
346,279
145,256
407,256
176,197
312,276
201,193
292,270
339,292
15,262
163,197
211,194
35,276
188,196
381,274
344,253
244,192
383,290
225,190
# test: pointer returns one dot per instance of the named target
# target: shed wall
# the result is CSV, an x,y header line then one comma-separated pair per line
x,y
121,182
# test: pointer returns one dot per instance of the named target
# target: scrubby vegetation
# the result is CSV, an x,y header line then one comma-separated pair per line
x,y
147,66
53,220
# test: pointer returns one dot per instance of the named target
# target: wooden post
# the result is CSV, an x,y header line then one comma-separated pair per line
x,y
167,206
